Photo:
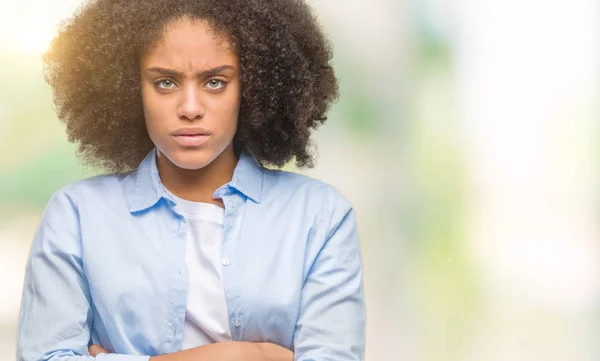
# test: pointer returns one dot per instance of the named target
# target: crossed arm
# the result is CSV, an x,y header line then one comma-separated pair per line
x,y
222,351
330,325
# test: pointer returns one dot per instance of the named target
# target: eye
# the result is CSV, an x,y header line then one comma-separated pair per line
x,y
215,84
165,84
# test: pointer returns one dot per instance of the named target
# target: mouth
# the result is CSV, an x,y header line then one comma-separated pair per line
x,y
191,137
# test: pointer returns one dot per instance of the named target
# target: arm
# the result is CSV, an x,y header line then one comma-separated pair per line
x,y
56,305
331,323
234,351
55,308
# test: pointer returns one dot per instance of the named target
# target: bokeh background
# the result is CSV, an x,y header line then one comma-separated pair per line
x,y
467,137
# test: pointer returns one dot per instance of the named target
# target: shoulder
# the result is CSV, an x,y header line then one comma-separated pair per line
x,y
276,178
293,186
92,189
61,218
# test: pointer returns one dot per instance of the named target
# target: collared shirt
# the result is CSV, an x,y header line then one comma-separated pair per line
x,y
107,266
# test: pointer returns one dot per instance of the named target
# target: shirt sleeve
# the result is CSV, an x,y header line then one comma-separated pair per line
x,y
55,309
332,317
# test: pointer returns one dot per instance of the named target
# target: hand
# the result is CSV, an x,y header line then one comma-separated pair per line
x,y
96,349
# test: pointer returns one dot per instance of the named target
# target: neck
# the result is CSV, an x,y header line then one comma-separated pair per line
x,y
198,185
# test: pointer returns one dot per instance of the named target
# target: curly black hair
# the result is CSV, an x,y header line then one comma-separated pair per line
x,y
287,82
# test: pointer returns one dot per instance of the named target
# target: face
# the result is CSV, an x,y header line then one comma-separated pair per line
x,y
191,94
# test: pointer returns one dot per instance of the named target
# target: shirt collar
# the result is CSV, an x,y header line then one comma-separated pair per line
x,y
148,189
248,176
147,186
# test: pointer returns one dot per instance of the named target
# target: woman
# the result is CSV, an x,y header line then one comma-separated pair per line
x,y
189,249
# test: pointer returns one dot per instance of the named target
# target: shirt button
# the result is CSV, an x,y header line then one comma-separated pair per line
x,y
180,271
230,204
226,262
236,323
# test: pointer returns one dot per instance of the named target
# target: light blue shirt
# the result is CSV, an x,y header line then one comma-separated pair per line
x,y
107,266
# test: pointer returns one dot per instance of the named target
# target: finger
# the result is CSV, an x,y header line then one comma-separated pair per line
x,y
96,349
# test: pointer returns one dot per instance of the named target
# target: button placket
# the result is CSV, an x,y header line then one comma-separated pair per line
x,y
177,300
232,202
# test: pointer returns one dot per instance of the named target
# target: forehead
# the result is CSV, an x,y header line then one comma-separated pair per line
x,y
189,45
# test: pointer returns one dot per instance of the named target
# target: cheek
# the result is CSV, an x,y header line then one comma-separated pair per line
x,y
231,109
154,110
234,110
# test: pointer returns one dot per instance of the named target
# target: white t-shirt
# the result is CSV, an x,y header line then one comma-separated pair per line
x,y
206,318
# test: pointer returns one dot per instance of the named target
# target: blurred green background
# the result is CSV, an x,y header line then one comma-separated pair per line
x,y
466,136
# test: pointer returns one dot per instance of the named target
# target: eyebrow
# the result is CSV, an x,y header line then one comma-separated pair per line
x,y
175,73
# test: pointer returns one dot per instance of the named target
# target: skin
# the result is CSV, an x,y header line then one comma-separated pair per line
x,y
183,94
222,351
191,78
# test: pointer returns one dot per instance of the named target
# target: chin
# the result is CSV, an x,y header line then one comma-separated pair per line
x,y
192,159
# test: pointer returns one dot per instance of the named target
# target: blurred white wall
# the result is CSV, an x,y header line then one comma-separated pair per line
x,y
529,92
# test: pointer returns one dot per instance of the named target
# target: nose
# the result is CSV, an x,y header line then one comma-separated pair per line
x,y
190,108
